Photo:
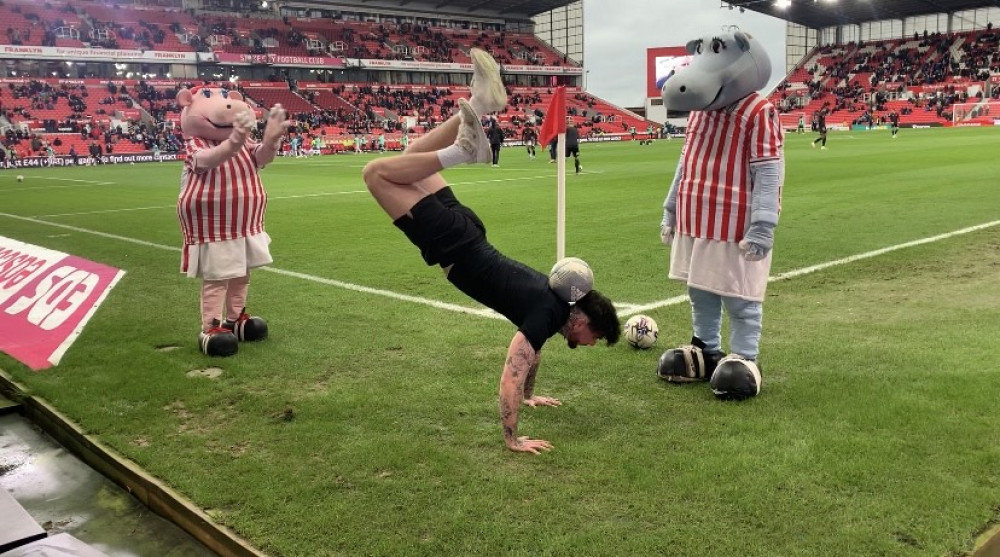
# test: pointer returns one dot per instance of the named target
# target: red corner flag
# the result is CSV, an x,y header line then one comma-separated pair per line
x,y
555,117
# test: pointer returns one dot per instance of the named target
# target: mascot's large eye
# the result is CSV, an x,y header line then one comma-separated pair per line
x,y
225,93
207,93
697,48
718,45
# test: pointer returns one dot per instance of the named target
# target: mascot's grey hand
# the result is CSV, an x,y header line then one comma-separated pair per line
x,y
667,235
758,241
667,226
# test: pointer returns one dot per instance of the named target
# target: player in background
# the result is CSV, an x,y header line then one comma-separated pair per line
x,y
529,137
495,135
821,128
573,145
894,123
50,155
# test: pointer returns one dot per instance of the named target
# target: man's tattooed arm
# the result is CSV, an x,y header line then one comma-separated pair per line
x,y
529,381
522,361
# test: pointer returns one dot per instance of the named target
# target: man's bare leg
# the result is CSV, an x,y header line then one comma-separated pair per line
x,y
400,182
439,138
393,181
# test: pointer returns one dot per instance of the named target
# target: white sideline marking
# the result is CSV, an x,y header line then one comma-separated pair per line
x,y
85,184
270,198
828,264
627,309
481,312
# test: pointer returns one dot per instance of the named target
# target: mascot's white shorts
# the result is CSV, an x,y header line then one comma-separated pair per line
x,y
719,267
227,259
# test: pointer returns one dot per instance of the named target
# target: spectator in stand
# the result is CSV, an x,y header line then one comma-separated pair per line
x,y
73,155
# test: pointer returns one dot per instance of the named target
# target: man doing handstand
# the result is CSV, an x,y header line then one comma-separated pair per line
x,y
411,190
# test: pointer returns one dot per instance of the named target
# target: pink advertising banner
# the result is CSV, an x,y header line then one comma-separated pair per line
x,y
46,299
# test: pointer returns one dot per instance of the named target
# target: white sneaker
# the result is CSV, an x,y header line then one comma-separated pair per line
x,y
487,87
471,136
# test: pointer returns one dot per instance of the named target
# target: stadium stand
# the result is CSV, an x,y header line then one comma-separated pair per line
x,y
858,83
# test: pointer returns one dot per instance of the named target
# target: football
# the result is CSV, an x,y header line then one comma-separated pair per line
x,y
20,178
571,279
641,331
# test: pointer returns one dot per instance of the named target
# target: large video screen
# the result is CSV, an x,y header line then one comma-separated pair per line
x,y
660,62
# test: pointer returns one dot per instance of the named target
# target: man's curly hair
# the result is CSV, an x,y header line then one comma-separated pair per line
x,y
602,314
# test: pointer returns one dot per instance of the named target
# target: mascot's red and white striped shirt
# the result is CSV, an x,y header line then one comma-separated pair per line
x,y
224,203
713,196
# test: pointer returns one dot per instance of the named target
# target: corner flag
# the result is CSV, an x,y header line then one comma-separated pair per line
x,y
555,117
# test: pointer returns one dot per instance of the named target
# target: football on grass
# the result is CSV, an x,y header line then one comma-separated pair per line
x,y
641,331
571,279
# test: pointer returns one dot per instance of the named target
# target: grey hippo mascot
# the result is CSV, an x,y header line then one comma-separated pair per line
x,y
722,208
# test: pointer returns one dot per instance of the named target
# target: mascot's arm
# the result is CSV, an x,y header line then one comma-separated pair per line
x,y
207,159
274,130
767,178
669,222
521,360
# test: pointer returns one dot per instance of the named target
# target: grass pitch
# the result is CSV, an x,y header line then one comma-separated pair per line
x,y
367,424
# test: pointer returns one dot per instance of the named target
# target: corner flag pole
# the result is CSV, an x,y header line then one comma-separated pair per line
x,y
554,127
561,197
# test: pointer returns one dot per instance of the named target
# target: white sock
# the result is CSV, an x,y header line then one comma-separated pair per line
x,y
453,155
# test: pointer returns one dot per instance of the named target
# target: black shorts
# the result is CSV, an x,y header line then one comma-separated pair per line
x,y
441,227
573,151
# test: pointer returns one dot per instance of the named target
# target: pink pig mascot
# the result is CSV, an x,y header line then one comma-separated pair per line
x,y
221,210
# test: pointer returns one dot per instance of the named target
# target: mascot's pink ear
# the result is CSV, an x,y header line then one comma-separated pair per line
x,y
235,95
184,97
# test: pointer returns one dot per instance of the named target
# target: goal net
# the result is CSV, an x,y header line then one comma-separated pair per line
x,y
984,113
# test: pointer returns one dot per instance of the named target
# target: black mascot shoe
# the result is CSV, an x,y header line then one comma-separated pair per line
x,y
736,378
247,327
218,341
688,364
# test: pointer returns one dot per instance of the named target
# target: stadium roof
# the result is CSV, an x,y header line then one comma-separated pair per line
x,y
819,14
505,9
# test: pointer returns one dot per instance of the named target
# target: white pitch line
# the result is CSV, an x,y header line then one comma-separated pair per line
x,y
481,312
828,264
89,184
627,309
270,198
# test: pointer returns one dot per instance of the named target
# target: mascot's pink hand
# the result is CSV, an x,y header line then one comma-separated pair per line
x,y
277,124
241,127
